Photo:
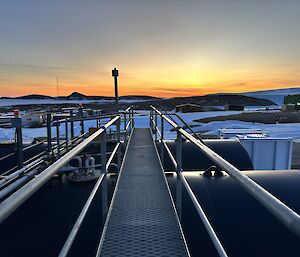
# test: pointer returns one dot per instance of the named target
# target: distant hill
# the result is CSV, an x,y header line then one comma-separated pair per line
x,y
34,96
208,100
139,97
275,95
80,96
76,95
144,102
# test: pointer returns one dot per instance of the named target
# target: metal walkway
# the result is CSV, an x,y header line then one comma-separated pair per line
x,y
142,220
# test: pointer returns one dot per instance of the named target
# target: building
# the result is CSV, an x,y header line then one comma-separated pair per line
x,y
188,108
292,99
233,107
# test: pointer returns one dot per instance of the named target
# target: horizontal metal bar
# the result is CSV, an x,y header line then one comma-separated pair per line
x,y
7,156
20,171
170,154
76,119
127,126
211,232
128,109
67,246
111,122
24,149
20,196
112,155
173,124
18,183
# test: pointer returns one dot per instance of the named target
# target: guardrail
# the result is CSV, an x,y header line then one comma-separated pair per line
x,y
277,208
58,141
10,204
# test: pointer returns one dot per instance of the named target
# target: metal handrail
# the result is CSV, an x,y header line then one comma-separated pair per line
x,y
92,117
9,205
276,207
209,228
112,155
67,246
24,149
217,243
65,250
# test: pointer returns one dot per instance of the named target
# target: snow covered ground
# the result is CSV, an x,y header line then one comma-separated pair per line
x,y
286,130
10,102
142,120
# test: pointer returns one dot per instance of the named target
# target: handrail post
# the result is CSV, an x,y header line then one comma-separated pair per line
x,y
162,156
151,118
72,125
178,170
104,197
132,119
49,132
81,122
125,128
57,139
119,141
97,119
17,123
67,135
156,125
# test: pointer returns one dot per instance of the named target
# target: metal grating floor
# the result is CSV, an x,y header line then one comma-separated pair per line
x,y
142,220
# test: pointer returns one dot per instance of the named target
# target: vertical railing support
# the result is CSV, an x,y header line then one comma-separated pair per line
x,y
125,125
57,140
104,171
178,170
67,135
72,125
132,119
97,119
151,118
17,123
49,134
81,122
119,141
162,150
156,125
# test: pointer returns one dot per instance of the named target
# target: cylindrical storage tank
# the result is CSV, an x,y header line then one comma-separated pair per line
x,y
244,226
194,159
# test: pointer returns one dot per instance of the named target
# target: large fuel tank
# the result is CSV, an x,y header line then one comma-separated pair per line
x,y
245,227
194,159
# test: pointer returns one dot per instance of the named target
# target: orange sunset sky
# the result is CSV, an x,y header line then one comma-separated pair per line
x,y
162,48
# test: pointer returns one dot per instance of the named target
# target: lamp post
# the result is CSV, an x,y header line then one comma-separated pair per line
x,y
115,74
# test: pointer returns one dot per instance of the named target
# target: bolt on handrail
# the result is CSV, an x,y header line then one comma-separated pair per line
x,y
9,205
276,207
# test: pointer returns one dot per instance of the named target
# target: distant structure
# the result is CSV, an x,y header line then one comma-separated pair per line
x,y
292,99
184,108
233,107
290,107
